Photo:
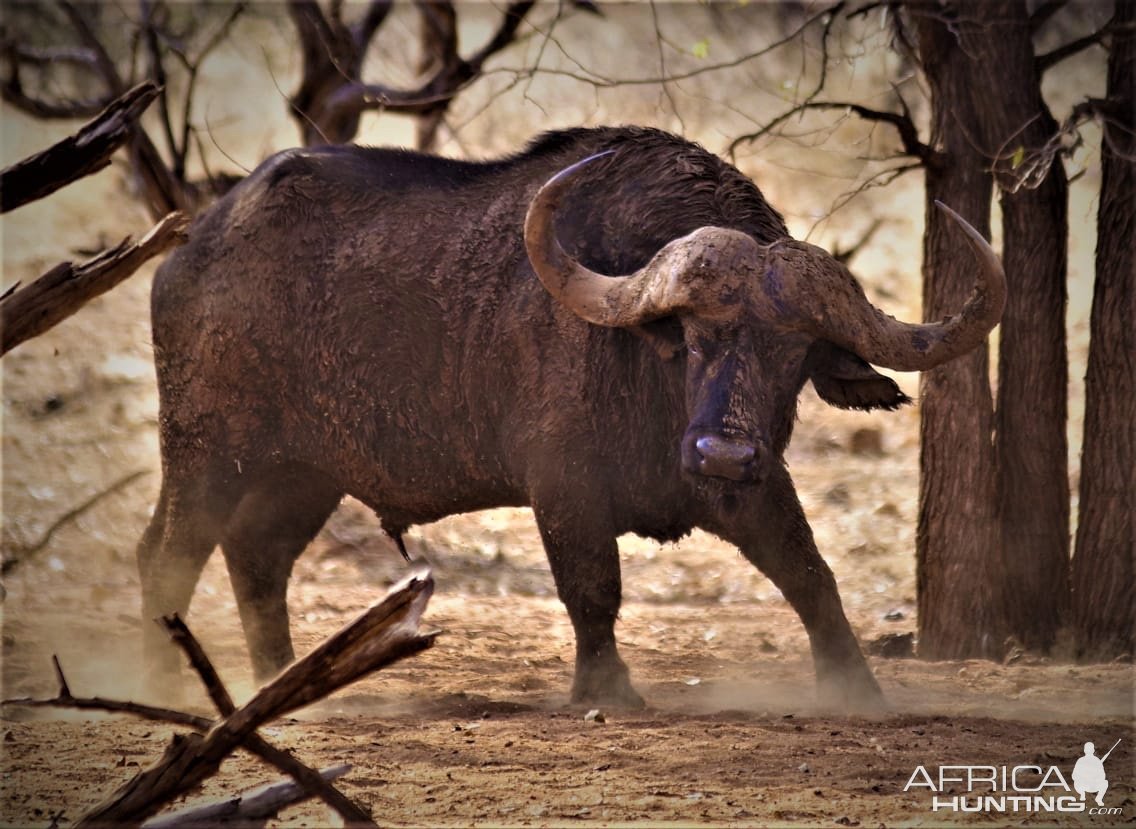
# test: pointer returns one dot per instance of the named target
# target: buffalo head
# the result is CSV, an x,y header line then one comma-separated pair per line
x,y
753,316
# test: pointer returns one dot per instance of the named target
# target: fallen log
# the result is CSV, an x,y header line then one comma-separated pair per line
x,y
245,809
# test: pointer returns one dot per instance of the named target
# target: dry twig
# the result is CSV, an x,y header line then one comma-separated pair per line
x,y
25,552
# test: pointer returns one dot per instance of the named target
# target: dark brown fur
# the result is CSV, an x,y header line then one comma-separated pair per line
x,y
366,322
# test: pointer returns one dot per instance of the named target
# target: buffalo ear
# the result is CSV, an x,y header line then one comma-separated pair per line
x,y
844,380
664,336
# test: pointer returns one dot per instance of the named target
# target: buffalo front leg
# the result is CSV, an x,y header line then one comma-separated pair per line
x,y
585,564
778,540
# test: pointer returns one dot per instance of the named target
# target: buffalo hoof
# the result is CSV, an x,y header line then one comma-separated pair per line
x,y
853,695
165,684
610,689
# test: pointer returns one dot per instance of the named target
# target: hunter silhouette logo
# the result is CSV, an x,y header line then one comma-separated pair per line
x,y
1088,774
1017,789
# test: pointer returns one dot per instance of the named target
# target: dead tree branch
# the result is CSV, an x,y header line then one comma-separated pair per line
x,y
1051,59
829,21
386,633
181,636
845,255
31,310
64,699
902,122
826,14
251,807
162,179
389,631
332,95
305,776
1018,167
86,152
1043,12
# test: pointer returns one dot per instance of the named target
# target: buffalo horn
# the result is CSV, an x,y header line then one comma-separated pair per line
x,y
686,275
841,313
804,287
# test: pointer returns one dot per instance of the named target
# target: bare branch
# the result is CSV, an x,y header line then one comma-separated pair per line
x,y
150,713
663,63
304,775
64,289
36,56
1045,11
387,632
1051,59
827,15
103,61
881,178
13,92
222,32
845,255
363,31
908,133
87,151
817,89
184,639
22,554
514,15
158,73
64,689
454,75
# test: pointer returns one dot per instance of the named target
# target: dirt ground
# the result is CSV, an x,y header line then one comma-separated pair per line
x,y
478,730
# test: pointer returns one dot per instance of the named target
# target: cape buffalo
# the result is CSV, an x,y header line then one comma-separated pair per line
x,y
409,330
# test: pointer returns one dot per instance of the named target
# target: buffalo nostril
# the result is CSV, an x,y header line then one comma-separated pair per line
x,y
719,449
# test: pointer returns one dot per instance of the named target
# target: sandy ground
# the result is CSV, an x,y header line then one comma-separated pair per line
x,y
478,729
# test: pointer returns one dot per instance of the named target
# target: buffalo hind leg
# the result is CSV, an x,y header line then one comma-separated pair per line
x,y
182,533
777,539
585,564
272,525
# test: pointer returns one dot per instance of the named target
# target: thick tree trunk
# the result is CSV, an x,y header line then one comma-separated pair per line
x,y
1104,587
332,59
1029,426
956,561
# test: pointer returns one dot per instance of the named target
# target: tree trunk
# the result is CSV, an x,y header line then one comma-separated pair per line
x,y
331,59
438,43
1104,587
957,588
1029,426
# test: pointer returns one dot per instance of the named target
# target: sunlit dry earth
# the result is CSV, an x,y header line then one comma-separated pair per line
x,y
479,729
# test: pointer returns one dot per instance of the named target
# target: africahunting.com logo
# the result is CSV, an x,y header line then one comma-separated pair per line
x,y
1018,789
